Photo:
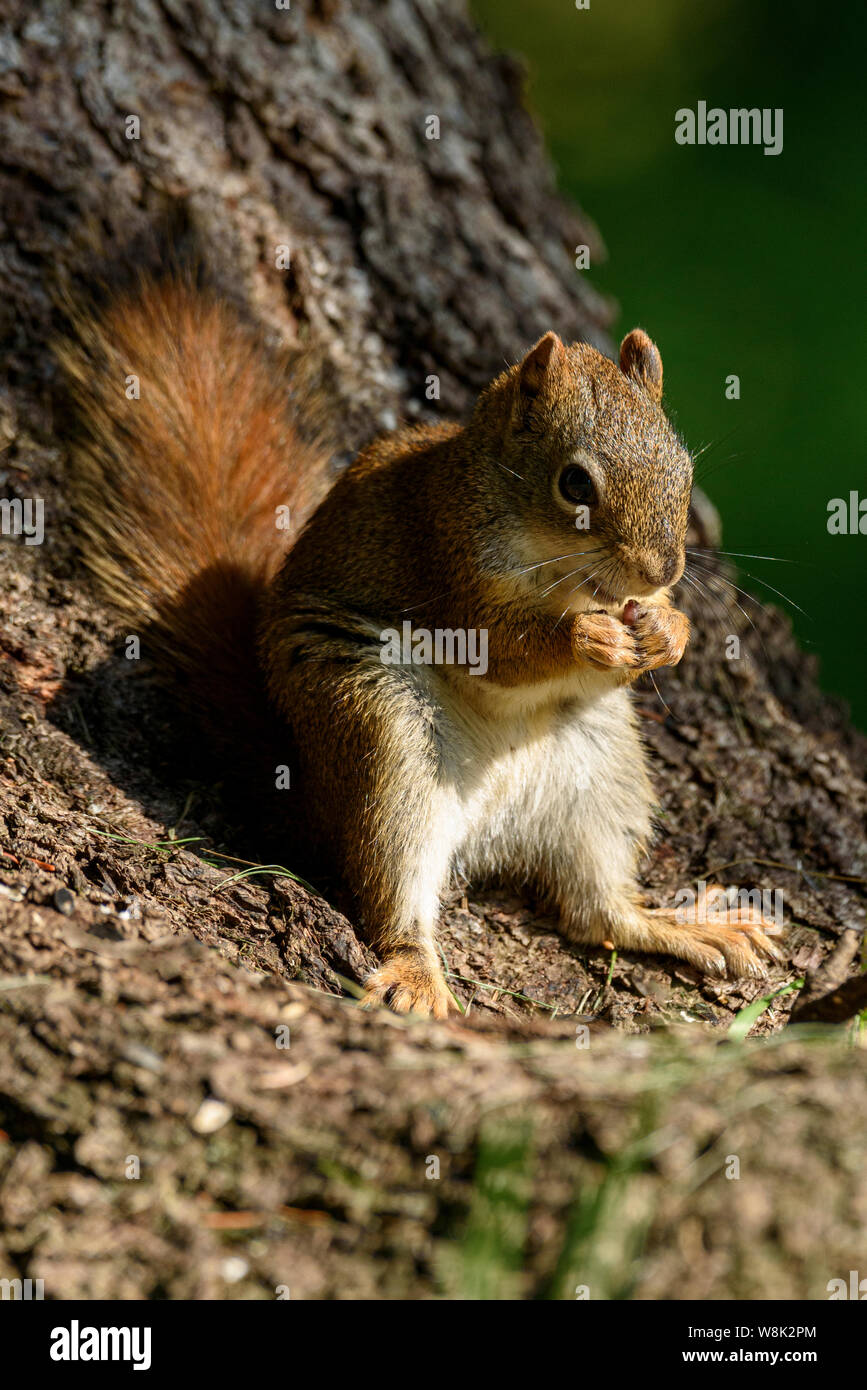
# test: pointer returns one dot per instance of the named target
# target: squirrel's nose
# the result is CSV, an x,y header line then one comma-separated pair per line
x,y
657,570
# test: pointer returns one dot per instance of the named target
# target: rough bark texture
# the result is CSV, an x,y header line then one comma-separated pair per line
x,y
137,982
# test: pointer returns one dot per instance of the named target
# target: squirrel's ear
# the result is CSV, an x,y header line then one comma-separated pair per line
x,y
641,362
540,365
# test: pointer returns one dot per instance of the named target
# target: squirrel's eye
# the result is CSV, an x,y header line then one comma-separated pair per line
x,y
576,485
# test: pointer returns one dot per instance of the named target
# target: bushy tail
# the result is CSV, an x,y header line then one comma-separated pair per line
x,y
184,463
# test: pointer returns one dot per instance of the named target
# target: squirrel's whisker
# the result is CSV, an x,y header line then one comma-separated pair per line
x,y
666,707
758,580
704,474
510,470
704,588
563,579
714,576
571,555
721,627
582,583
721,624
738,554
713,444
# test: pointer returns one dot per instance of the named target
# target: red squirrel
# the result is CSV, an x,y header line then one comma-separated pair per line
x,y
552,524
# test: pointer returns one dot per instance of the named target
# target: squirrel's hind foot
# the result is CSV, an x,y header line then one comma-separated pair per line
x,y
410,981
740,946
717,938
725,937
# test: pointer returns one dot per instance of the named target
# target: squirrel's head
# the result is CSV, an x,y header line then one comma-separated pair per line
x,y
595,481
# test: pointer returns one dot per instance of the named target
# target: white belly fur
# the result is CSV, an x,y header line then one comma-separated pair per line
x,y
542,783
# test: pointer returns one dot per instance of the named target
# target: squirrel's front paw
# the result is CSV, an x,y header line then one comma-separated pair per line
x,y
660,635
409,982
604,641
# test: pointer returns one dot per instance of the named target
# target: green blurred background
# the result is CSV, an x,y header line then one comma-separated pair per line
x,y
734,261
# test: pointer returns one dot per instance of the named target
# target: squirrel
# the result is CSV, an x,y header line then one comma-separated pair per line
x,y
552,524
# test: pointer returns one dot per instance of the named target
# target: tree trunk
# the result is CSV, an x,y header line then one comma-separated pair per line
x,y
138,980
